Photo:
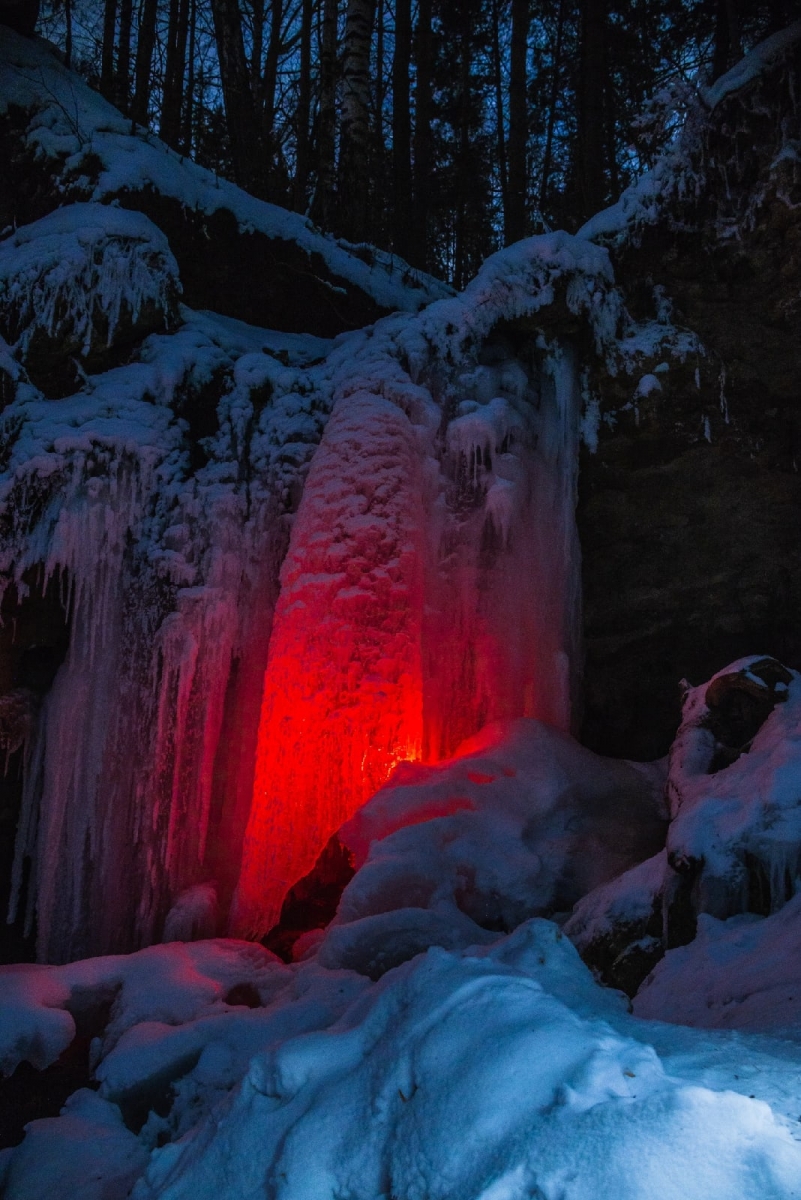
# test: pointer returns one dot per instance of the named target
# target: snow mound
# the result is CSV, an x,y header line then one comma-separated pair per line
x,y
742,973
478,1075
83,269
86,1153
172,984
522,822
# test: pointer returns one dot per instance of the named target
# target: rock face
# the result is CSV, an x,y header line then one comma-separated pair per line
x,y
734,841
690,506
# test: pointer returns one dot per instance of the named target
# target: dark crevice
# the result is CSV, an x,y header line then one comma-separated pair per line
x,y
313,901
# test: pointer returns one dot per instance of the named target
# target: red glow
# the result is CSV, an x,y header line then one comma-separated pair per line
x,y
343,691
405,623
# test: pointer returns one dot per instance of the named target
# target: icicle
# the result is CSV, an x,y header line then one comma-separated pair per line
x,y
724,403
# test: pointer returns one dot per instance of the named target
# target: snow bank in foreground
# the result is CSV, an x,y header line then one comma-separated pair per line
x,y
495,1072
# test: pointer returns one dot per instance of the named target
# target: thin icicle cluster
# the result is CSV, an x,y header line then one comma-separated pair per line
x,y
168,578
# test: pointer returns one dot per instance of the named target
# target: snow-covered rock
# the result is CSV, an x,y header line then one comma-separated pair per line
x,y
86,282
734,841
238,254
522,822
741,973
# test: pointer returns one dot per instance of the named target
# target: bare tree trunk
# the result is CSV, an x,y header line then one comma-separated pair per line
x,y
257,48
324,200
727,41
68,39
557,67
591,140
189,103
269,85
304,109
107,49
460,247
402,130
611,137
173,96
515,213
240,110
423,149
144,58
500,133
124,56
383,230
355,128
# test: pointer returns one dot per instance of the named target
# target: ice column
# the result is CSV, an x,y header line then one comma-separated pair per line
x,y
343,687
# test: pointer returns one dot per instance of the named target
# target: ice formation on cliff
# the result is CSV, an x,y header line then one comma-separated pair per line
x,y
430,582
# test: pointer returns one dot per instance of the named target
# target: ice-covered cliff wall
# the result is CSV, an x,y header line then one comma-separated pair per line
x,y
430,585
416,478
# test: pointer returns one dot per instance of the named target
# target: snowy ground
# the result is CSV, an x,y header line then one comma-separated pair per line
x,y
418,1051
497,1071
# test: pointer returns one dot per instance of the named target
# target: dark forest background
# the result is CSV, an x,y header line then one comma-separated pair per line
x,y
436,129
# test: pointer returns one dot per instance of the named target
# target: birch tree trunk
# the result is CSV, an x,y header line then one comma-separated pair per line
x,y
354,196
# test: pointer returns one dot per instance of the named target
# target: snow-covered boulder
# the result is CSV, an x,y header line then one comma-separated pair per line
x,y
84,285
734,841
521,822
618,928
741,973
734,787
